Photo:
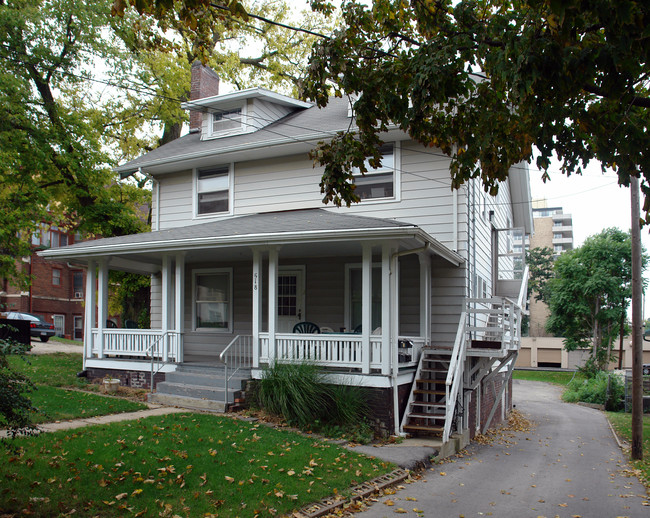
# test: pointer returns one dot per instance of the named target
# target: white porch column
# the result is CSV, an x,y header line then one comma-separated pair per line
x,y
366,307
386,329
425,297
273,302
166,305
91,308
179,304
102,301
394,333
257,305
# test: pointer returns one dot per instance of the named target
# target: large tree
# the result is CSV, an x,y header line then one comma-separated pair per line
x,y
53,168
490,83
81,89
590,291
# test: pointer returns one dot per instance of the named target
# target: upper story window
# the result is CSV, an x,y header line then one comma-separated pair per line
x,y
378,183
213,190
227,121
56,277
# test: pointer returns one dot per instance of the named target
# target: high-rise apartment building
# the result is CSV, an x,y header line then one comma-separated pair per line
x,y
553,229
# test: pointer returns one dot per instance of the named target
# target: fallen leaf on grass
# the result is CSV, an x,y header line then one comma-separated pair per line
x,y
121,496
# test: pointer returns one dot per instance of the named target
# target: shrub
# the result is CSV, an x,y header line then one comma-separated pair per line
x,y
298,393
602,389
293,391
15,406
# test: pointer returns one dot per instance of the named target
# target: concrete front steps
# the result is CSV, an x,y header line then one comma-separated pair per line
x,y
198,387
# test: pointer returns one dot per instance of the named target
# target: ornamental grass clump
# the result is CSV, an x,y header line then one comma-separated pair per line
x,y
293,391
298,393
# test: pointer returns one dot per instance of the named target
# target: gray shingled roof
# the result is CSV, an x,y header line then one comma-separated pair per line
x,y
296,127
260,226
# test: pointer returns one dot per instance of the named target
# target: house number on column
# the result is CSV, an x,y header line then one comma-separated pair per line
x,y
254,282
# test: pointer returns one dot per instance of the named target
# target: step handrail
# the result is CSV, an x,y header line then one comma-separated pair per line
x,y
455,374
149,352
236,356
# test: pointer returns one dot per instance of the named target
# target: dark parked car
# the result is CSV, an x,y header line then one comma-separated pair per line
x,y
38,328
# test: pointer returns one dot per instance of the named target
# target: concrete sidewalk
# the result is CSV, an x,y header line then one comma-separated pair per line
x,y
104,419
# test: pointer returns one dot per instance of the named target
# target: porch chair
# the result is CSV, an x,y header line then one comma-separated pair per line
x,y
306,328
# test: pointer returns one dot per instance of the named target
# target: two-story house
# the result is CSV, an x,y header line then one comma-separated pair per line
x,y
413,293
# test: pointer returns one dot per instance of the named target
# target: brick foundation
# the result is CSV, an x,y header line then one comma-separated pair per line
x,y
485,393
134,379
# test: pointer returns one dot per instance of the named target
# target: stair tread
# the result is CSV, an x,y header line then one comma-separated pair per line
x,y
426,380
428,404
422,391
424,428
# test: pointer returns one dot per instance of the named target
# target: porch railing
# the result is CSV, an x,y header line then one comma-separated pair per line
x,y
495,319
335,351
137,343
236,356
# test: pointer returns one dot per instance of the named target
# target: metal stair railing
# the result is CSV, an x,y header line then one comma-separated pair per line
x,y
149,352
455,374
237,355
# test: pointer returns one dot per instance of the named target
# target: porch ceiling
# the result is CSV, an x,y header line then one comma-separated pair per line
x,y
300,233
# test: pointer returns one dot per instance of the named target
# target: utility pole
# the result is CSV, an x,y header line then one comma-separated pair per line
x,y
637,318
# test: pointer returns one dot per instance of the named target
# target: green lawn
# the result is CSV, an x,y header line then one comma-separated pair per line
x,y
59,404
559,378
622,423
51,373
180,464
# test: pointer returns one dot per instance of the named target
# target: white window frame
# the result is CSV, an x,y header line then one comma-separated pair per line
x,y
62,327
243,108
397,177
195,192
208,271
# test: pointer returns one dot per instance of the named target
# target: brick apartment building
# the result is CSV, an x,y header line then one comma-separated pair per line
x,y
57,289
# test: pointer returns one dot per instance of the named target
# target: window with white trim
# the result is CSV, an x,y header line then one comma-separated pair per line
x,y
377,183
213,300
213,190
227,121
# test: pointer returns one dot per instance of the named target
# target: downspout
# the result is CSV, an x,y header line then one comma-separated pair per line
x,y
395,359
454,209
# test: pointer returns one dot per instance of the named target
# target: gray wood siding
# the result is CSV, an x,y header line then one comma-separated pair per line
x,y
176,204
156,302
262,113
291,182
447,295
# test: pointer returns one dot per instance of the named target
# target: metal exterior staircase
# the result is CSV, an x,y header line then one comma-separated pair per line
x,y
427,406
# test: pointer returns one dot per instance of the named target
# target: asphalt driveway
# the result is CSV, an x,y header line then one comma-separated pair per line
x,y
569,465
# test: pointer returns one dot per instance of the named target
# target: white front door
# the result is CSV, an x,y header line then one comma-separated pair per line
x,y
291,298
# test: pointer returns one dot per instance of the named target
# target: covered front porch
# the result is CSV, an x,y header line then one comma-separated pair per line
x,y
233,295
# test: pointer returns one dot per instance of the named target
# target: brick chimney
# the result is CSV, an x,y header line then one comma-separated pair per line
x,y
205,83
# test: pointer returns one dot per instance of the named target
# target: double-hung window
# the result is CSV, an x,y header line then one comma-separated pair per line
x,y
213,190
378,183
227,121
213,299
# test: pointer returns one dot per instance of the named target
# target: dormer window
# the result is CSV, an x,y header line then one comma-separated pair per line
x,y
227,121
378,183
213,190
